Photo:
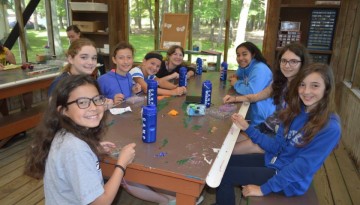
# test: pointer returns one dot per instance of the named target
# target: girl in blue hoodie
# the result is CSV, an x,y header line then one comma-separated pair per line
x,y
253,76
309,131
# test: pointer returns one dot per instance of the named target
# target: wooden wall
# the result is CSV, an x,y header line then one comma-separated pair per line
x,y
346,65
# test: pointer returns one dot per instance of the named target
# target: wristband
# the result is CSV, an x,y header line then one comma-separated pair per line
x,y
121,167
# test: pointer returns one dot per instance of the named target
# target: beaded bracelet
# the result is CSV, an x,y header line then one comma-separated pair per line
x,y
121,167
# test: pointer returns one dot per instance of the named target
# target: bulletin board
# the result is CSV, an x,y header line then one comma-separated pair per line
x,y
174,30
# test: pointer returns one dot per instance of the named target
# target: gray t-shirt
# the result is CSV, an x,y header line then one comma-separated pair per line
x,y
72,172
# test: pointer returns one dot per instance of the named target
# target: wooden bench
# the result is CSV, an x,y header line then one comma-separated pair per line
x,y
20,121
337,182
309,198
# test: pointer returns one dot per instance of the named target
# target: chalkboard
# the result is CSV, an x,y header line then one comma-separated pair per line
x,y
174,30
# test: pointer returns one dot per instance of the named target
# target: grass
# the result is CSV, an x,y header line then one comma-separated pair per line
x,y
142,43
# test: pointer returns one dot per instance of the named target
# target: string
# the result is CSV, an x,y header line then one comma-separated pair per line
x,y
117,80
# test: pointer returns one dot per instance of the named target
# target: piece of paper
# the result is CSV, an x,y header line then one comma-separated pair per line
x,y
118,111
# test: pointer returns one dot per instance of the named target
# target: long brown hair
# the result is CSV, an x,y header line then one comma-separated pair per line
x,y
318,116
54,121
75,47
280,81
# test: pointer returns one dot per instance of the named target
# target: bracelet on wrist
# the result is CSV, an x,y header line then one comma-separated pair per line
x,y
121,167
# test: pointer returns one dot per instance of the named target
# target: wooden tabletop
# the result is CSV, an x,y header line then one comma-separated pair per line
x,y
185,147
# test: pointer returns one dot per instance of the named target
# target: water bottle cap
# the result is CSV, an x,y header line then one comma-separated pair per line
x,y
149,110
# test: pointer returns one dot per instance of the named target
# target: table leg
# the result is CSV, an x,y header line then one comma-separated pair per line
x,y
183,199
218,62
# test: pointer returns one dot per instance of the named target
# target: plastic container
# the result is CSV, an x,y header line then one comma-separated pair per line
x,y
182,77
149,119
152,86
223,71
199,65
206,93
195,109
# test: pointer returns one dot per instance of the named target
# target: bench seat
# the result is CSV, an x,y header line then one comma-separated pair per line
x,y
309,198
21,121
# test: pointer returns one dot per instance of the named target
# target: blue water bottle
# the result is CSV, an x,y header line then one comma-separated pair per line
x,y
152,86
149,120
199,66
223,71
182,77
206,93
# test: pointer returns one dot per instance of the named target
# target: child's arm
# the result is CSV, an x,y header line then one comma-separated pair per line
x,y
174,75
173,92
264,94
112,186
164,83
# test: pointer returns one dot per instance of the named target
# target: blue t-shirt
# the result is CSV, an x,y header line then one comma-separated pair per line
x,y
112,83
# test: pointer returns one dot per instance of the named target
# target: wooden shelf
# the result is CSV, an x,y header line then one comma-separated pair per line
x,y
91,12
309,6
96,33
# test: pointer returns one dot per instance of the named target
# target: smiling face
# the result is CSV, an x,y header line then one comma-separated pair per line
x,y
243,56
72,35
151,66
89,117
84,62
311,90
289,69
176,58
123,60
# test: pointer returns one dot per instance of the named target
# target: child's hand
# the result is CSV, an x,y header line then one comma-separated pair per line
x,y
175,75
126,155
107,146
118,98
229,99
179,91
136,88
239,121
233,80
251,190
109,103
1,66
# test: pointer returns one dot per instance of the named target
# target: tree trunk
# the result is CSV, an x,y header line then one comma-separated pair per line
x,y
148,7
222,22
57,41
241,29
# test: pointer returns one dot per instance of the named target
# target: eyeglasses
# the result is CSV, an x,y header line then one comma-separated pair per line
x,y
84,102
291,62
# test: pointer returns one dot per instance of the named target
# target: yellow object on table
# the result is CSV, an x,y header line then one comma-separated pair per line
x,y
173,113
11,66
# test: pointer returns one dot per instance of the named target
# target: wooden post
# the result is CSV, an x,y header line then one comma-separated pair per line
x,y
23,50
227,29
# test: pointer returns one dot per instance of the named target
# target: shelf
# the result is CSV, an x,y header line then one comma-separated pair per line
x,y
320,51
309,6
96,33
91,12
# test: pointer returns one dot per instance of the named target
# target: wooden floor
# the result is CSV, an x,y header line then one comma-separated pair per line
x,y
337,183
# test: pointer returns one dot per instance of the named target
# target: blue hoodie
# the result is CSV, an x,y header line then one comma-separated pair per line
x,y
296,166
251,80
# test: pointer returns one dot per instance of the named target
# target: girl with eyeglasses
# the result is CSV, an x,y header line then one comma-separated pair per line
x,y
309,131
67,146
290,60
252,76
